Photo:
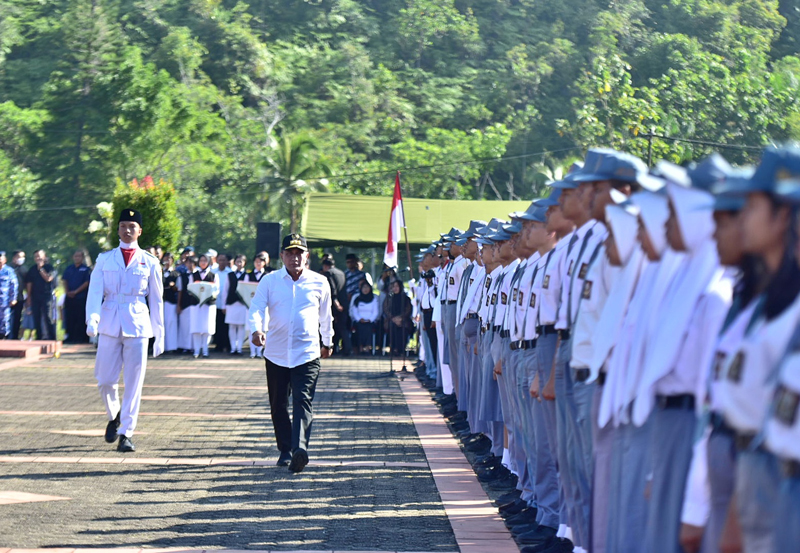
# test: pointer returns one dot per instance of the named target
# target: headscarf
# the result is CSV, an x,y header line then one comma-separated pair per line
x,y
362,297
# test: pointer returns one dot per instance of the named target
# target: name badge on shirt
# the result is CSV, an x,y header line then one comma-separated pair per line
x,y
504,298
546,282
533,300
452,280
470,281
494,299
735,370
787,404
569,270
519,298
513,296
719,359
587,290
584,270
488,282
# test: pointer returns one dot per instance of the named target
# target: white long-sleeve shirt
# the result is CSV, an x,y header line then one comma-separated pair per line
x,y
367,311
294,313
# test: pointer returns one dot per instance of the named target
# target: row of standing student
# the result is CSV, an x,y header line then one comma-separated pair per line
x,y
190,326
624,352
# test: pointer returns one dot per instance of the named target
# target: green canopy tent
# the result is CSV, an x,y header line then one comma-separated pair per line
x,y
363,221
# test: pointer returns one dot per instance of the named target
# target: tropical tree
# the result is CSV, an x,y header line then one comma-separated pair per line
x,y
297,169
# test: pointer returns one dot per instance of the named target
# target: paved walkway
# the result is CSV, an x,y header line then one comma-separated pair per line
x,y
385,473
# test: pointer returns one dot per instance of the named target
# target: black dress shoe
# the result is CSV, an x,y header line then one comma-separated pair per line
x,y
511,509
299,460
285,459
111,430
525,516
503,484
555,545
540,535
125,444
508,499
521,529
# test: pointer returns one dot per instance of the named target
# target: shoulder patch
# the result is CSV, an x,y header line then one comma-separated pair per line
x,y
150,254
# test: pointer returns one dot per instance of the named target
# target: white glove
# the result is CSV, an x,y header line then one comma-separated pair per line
x,y
91,330
158,346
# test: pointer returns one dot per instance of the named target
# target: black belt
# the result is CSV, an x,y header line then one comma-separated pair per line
x,y
582,375
451,302
496,328
426,310
443,302
544,330
523,344
601,379
564,334
790,469
505,333
472,315
718,424
683,401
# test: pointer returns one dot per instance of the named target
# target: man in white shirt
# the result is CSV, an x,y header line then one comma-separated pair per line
x,y
289,313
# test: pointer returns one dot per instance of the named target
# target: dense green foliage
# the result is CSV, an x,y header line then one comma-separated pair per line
x,y
213,95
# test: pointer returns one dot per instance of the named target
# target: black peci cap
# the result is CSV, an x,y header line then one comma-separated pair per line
x,y
128,214
294,241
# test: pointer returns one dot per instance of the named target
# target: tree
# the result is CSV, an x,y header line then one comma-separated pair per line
x,y
156,202
296,171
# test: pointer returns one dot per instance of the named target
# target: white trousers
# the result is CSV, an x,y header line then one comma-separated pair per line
x,y
444,368
170,326
114,353
200,342
236,336
185,329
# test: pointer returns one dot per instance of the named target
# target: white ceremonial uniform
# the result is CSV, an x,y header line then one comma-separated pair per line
x,y
116,311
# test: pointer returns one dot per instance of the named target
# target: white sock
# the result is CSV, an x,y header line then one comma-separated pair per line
x,y
562,530
568,534
579,550
506,460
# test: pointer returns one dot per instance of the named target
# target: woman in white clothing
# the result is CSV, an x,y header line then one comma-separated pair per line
x,y
203,319
364,311
260,264
235,309
185,303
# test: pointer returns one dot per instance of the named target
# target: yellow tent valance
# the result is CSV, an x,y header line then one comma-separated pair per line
x,y
363,221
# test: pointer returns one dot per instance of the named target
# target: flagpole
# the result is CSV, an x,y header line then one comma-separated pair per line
x,y
405,235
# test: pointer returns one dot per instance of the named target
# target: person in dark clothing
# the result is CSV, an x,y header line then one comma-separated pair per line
x,y
340,306
40,281
18,264
397,318
76,283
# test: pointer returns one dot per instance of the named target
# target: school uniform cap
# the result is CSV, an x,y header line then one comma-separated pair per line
x,y
512,228
499,235
709,172
727,193
534,213
778,164
188,249
788,190
597,166
622,216
129,214
294,240
550,200
567,182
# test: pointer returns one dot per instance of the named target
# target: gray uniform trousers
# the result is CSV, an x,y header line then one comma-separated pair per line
x,y
490,412
672,440
627,505
758,479
582,469
548,484
603,442
787,523
721,471
470,372
568,445
449,316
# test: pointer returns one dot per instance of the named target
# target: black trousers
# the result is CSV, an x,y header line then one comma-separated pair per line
x,y
16,319
75,320
427,321
301,382
43,319
222,341
365,333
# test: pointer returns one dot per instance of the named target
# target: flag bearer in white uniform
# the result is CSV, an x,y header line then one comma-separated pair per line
x,y
116,311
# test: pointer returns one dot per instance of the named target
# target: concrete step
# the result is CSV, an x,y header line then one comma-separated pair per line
x,y
25,349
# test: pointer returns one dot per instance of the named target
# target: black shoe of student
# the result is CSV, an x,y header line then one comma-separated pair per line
x,y
457,427
284,459
111,430
511,509
299,460
503,484
521,529
555,545
507,499
493,474
479,448
525,516
540,535
125,444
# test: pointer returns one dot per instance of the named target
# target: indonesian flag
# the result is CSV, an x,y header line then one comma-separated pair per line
x,y
396,222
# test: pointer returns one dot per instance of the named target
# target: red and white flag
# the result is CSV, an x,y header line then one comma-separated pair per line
x,y
397,221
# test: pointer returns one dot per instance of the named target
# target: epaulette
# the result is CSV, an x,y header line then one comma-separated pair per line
x,y
150,254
